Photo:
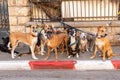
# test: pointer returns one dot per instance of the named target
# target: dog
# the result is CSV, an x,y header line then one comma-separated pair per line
x,y
83,42
42,36
27,38
91,42
40,43
54,41
73,43
103,44
3,46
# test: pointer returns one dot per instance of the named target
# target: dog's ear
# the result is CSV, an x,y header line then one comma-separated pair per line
x,y
99,27
65,29
102,27
105,27
43,25
38,25
53,28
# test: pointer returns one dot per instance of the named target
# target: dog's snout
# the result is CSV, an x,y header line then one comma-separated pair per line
x,y
34,29
105,34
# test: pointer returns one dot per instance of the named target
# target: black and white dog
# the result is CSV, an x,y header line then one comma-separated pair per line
x,y
41,41
4,45
73,43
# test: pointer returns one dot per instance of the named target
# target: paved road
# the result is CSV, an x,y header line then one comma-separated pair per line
x,y
60,75
83,56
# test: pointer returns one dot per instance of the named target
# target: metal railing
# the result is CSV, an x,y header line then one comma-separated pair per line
x,y
74,10
4,15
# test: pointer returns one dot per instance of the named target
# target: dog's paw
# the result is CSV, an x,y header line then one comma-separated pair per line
x,y
77,56
69,57
15,54
110,57
13,57
62,53
46,59
100,55
87,50
104,59
34,57
83,51
92,57
41,53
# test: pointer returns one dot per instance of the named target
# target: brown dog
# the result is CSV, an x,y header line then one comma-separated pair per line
x,y
28,38
54,41
103,44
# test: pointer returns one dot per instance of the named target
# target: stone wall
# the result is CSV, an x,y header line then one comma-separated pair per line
x,y
19,14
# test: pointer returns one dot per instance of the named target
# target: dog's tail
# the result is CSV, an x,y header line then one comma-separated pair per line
x,y
19,55
113,54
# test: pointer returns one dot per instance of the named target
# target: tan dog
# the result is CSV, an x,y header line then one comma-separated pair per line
x,y
103,44
28,38
54,41
83,42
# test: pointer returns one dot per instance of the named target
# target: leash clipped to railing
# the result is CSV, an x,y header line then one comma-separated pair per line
x,y
69,26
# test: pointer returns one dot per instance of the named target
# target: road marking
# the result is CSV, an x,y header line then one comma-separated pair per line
x,y
14,65
93,65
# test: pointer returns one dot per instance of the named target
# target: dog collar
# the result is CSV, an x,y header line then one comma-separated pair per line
x,y
34,35
73,43
101,36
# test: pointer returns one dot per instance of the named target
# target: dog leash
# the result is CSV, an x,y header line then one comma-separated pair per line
x,y
68,26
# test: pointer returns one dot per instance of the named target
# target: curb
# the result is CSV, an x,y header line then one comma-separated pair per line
x,y
69,65
94,65
14,65
51,65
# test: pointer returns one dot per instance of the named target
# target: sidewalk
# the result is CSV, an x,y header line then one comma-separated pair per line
x,y
66,65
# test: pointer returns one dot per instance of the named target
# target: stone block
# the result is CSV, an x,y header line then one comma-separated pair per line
x,y
19,11
13,11
22,2
23,11
17,2
17,28
12,2
13,20
23,20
